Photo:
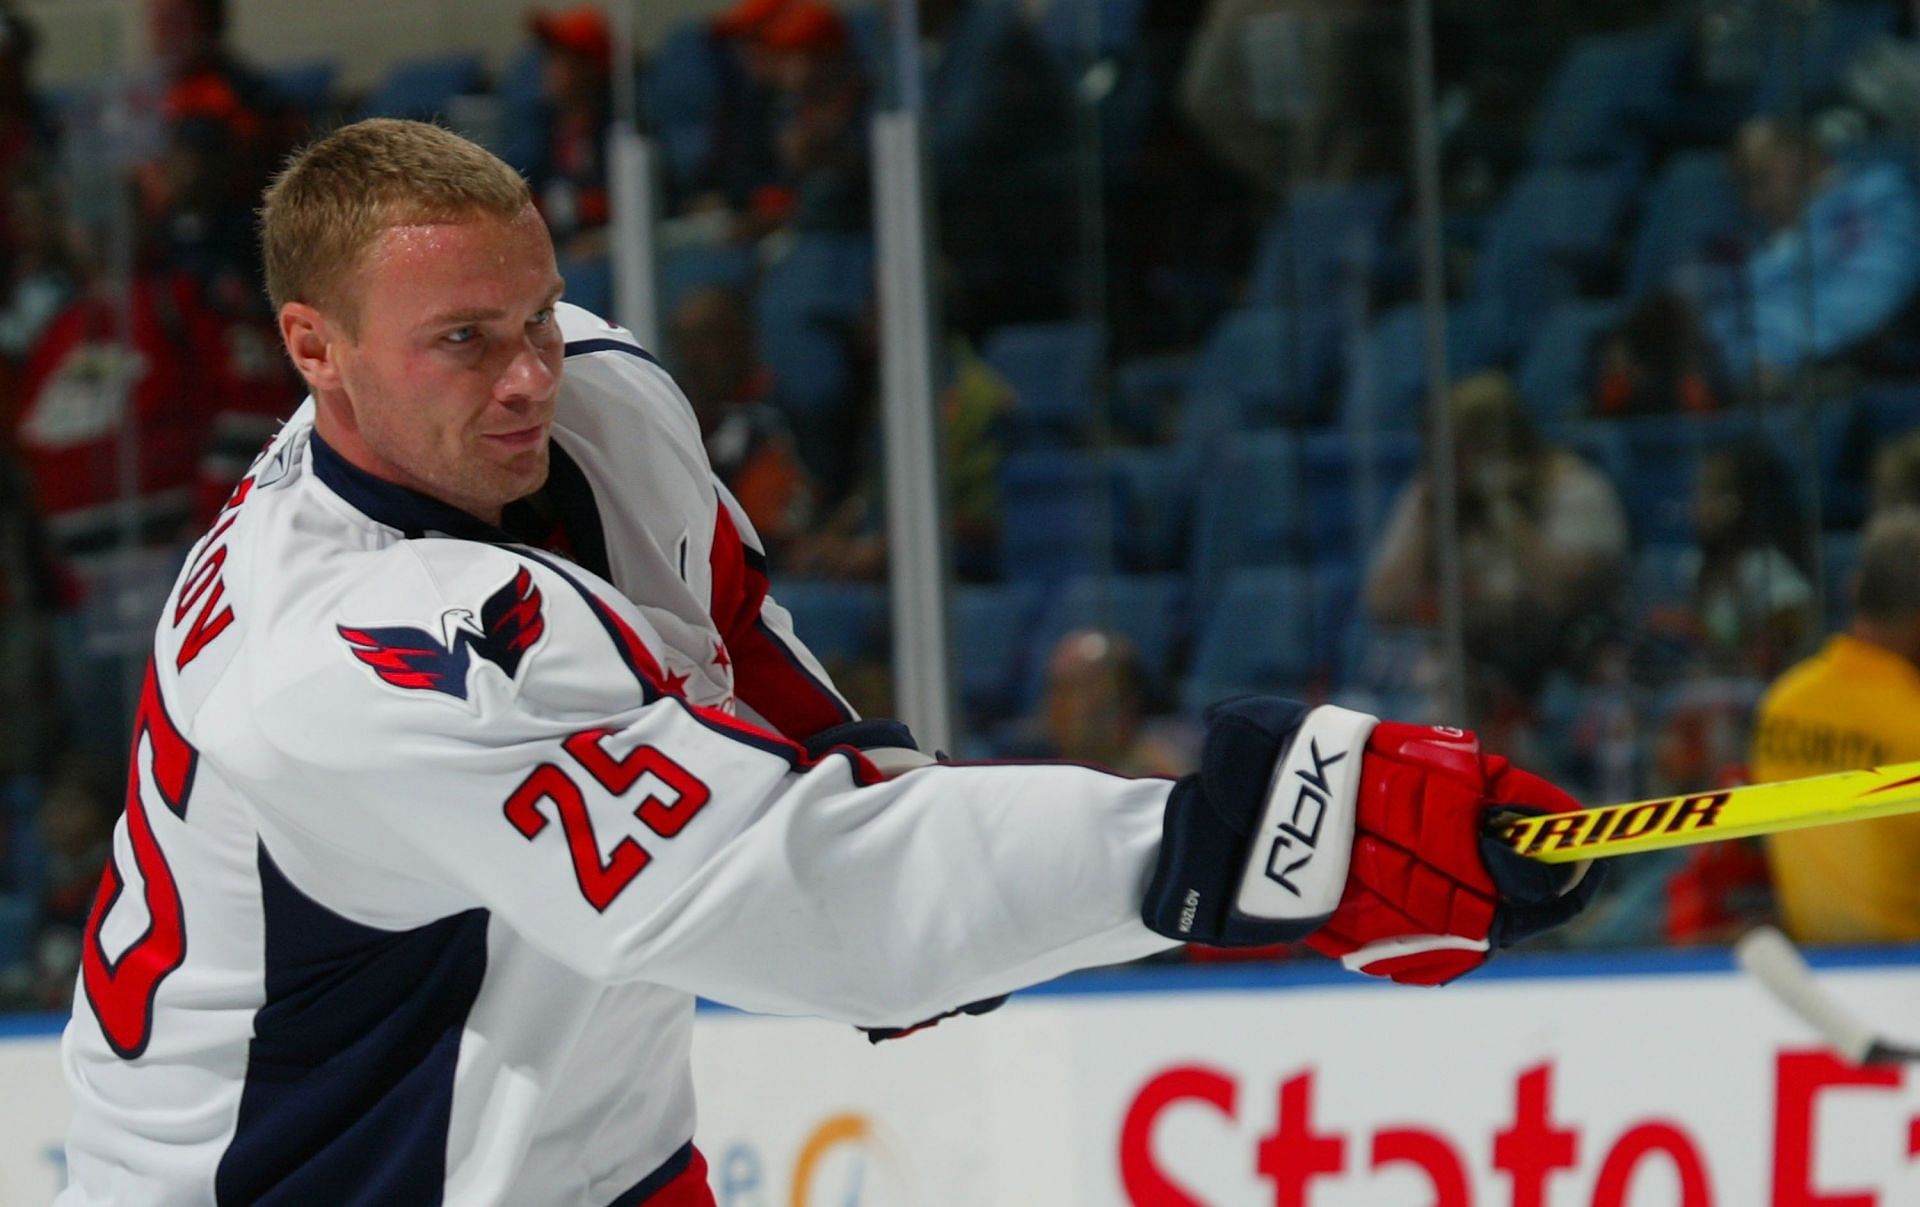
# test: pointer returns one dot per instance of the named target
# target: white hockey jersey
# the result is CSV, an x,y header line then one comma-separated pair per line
x,y
432,835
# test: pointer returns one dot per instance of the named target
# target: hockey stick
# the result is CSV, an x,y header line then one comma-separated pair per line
x,y
1774,961
1677,821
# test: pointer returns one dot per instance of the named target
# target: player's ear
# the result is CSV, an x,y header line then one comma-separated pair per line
x,y
310,341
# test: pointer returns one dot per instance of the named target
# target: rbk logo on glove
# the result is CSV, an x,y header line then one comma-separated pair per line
x,y
1297,864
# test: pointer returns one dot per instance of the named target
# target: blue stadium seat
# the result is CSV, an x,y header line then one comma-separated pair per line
x,y
867,26
1601,443
1555,373
1385,663
1054,369
1663,575
16,931
1666,455
1352,481
1692,216
1839,563
682,83
1326,236
686,269
1554,225
1388,389
1098,29
1157,486
421,87
807,313
1150,610
1147,391
839,622
1892,411
1261,367
1258,636
307,86
1803,61
590,284
1604,92
1250,507
992,628
523,107
1058,514
680,90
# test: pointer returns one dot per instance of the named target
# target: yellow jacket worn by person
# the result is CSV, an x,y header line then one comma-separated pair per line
x,y
1854,704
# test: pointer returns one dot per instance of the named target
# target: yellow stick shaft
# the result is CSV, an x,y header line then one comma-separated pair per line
x,y
1678,821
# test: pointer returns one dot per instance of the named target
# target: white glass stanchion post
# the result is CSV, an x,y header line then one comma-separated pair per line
x,y
916,529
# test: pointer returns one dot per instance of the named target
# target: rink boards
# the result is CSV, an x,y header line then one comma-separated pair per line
x,y
1665,1080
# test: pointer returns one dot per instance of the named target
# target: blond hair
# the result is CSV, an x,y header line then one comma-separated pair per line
x,y
331,202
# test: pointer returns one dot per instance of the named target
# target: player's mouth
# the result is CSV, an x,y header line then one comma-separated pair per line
x,y
518,440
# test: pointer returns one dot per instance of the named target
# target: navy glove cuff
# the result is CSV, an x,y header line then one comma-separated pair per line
x,y
1208,824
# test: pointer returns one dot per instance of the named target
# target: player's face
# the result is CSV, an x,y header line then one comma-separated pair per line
x,y
452,378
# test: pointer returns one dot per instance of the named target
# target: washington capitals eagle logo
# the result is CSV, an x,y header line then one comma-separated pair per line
x,y
510,624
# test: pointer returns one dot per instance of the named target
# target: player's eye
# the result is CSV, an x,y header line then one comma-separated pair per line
x,y
462,335
541,317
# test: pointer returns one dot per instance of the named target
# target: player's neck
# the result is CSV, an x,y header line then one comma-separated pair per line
x,y
333,422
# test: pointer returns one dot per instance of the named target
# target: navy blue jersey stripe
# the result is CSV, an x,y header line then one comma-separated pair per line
x,y
581,347
349,1082
394,505
648,691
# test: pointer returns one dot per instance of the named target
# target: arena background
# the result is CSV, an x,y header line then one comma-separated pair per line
x,y
1536,366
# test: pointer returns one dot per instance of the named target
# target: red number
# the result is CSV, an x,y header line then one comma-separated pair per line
x,y
121,992
665,818
602,880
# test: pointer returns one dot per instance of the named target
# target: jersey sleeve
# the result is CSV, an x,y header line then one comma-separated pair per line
x,y
631,836
774,674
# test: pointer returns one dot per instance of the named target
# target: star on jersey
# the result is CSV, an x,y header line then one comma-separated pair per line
x,y
510,625
720,658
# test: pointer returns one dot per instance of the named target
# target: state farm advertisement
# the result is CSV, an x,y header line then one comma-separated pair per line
x,y
1560,1088
1641,1091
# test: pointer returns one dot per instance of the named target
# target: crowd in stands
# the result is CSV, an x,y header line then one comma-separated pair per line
x,y
1181,373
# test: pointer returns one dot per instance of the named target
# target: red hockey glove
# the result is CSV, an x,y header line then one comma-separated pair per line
x,y
1365,839
1428,893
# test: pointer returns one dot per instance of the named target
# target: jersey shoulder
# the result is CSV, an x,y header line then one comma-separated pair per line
x,y
609,377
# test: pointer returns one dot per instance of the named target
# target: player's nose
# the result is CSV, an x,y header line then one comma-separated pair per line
x,y
533,375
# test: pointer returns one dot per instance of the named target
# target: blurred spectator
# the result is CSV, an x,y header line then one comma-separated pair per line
x,y
821,126
26,135
1094,710
569,177
29,597
1290,90
36,279
847,543
999,123
741,167
76,832
1847,236
1854,704
1752,595
1837,261
1896,474
747,439
1542,539
1659,361
225,133
33,280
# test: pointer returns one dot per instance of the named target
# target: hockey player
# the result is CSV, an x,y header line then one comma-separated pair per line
x,y
433,833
